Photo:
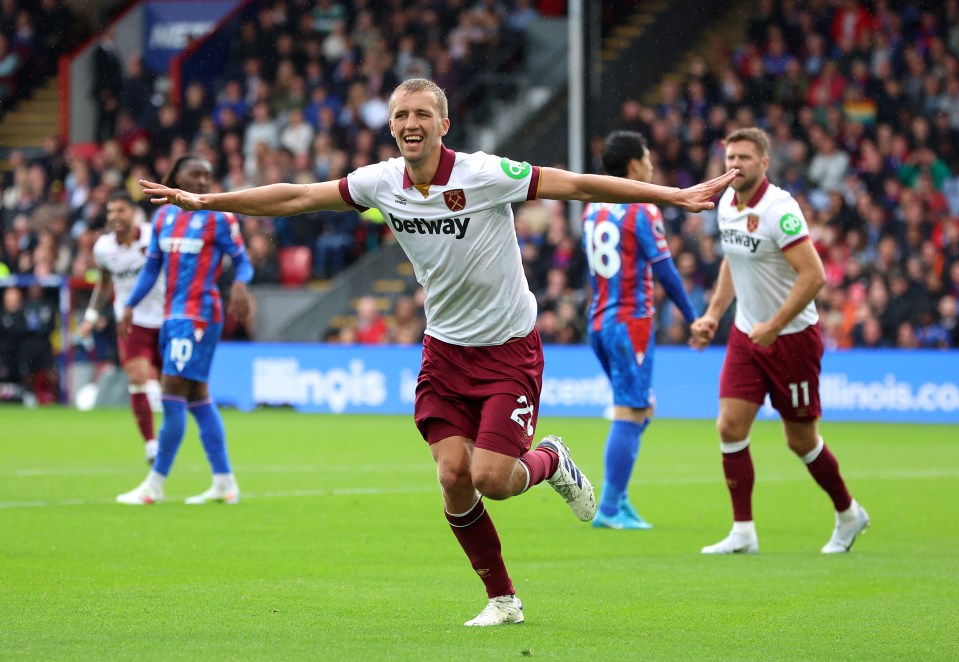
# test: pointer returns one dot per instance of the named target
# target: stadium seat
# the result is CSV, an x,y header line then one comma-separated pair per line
x,y
296,263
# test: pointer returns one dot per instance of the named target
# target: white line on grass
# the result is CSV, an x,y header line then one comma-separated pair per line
x,y
261,469
351,491
913,474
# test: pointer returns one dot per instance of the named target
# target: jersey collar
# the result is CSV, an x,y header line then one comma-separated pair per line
x,y
443,171
757,196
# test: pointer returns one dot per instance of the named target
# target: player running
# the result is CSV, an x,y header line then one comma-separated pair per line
x,y
190,247
625,245
121,256
775,345
477,395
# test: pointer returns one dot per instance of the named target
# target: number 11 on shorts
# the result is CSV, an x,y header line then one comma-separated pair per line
x,y
795,388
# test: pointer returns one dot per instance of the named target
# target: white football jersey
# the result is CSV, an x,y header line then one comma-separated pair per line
x,y
124,264
754,239
461,240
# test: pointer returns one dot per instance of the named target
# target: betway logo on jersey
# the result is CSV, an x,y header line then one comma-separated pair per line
x,y
128,273
454,226
740,238
181,245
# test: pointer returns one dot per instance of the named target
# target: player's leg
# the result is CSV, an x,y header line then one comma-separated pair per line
x,y
734,423
448,419
474,529
138,370
508,381
742,389
851,518
622,449
795,394
176,391
626,353
224,488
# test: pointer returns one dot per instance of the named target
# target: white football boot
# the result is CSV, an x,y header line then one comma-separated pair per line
x,y
143,494
504,610
571,483
734,543
223,490
848,526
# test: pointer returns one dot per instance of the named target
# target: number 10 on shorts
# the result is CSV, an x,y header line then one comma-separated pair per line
x,y
181,351
795,389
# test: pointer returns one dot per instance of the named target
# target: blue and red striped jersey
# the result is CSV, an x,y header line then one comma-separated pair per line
x,y
621,243
191,246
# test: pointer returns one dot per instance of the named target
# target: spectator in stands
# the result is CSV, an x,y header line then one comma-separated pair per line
x,y
107,84
261,130
335,242
266,269
371,327
407,324
297,135
10,63
36,350
13,326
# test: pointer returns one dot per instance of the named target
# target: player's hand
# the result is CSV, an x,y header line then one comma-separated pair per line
x,y
160,194
764,334
699,198
125,322
702,331
84,329
240,301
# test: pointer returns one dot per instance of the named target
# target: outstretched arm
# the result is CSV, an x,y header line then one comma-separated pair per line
x,y
556,184
270,200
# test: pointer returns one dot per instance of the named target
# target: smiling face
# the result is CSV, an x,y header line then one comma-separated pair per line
x,y
120,217
417,123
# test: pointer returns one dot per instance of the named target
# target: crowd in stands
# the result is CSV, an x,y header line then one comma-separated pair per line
x,y
33,34
860,100
861,103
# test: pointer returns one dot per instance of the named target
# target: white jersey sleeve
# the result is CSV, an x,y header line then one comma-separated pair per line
x,y
504,180
788,225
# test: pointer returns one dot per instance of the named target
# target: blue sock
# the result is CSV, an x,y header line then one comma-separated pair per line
x,y
212,434
622,448
171,433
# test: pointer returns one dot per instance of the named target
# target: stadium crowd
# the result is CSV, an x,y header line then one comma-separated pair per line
x,y
861,102
860,99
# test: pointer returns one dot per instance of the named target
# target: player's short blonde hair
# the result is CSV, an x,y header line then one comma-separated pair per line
x,y
422,85
754,135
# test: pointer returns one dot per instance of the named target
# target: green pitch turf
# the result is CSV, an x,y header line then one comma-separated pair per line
x,y
339,550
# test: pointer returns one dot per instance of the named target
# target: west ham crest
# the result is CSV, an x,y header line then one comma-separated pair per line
x,y
455,199
752,222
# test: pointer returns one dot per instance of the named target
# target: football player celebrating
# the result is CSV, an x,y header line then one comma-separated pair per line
x,y
477,395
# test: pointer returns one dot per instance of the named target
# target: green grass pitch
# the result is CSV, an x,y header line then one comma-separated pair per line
x,y
339,550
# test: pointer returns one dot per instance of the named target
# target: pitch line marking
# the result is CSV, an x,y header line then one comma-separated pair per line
x,y
915,474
